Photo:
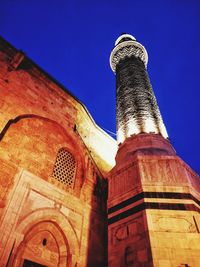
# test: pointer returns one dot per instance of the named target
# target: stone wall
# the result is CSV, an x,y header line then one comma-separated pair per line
x,y
42,219
153,207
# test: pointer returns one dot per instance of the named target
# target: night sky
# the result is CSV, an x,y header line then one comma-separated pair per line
x,y
72,41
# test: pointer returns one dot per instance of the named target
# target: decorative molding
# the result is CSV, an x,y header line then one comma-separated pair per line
x,y
155,206
161,195
127,230
173,224
127,49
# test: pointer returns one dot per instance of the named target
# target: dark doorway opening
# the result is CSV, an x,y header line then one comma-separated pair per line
x,y
28,263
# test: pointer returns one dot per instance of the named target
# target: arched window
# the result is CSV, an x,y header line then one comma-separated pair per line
x,y
65,168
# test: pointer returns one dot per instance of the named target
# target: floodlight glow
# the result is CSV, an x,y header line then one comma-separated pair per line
x,y
137,109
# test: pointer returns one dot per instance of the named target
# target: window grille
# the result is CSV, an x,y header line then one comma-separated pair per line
x,y
65,168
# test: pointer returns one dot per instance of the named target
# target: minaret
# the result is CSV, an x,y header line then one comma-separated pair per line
x,y
137,109
153,198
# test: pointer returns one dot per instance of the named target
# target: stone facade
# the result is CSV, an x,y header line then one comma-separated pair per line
x,y
52,178
153,206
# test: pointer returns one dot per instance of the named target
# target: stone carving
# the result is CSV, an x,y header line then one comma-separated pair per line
x,y
173,224
127,46
127,51
127,230
133,228
36,250
121,233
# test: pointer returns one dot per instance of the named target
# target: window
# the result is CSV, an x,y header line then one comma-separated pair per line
x,y
65,168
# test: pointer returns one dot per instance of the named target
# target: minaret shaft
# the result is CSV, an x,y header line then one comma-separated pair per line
x,y
137,109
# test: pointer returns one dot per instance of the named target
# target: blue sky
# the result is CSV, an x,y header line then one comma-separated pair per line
x,y
72,41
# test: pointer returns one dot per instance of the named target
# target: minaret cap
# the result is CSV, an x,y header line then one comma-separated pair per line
x,y
127,46
123,36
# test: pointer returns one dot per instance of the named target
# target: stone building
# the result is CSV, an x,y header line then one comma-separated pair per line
x,y
70,195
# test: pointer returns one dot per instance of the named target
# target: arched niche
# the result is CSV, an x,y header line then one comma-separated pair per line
x,y
47,238
32,142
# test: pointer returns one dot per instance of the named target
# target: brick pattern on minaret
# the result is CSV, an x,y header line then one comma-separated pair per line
x,y
137,109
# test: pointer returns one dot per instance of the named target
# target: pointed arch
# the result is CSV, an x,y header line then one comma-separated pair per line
x,y
55,222
33,142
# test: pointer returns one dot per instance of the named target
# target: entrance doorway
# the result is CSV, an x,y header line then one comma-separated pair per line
x,y
28,263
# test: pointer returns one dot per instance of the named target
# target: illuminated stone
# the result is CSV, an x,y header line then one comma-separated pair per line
x,y
137,109
53,162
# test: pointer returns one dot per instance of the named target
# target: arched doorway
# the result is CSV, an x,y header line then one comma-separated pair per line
x,y
44,245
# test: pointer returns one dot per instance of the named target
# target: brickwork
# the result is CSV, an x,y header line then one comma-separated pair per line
x,y
42,218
